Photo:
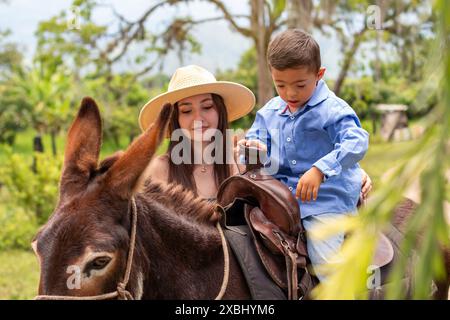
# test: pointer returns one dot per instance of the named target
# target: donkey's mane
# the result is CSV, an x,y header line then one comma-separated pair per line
x,y
182,201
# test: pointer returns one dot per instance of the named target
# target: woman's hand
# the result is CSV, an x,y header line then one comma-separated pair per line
x,y
366,185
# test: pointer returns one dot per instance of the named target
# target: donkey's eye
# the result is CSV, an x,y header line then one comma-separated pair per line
x,y
99,263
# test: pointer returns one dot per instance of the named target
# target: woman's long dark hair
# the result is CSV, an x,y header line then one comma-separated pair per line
x,y
183,173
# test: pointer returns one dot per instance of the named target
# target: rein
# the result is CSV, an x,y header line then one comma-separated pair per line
x,y
121,292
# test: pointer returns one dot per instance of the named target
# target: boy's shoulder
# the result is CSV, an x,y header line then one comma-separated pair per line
x,y
332,108
335,105
333,100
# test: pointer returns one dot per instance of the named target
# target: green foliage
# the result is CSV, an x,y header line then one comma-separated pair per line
x,y
382,157
34,193
120,101
245,73
13,119
359,94
10,54
73,38
429,219
11,111
277,8
18,228
364,94
43,96
19,275
60,44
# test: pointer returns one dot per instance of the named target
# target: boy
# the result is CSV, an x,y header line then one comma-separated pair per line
x,y
319,139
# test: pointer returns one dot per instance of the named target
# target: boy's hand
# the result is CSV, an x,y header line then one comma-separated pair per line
x,y
252,143
309,184
249,143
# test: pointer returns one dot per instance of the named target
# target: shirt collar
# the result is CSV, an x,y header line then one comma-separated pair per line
x,y
320,94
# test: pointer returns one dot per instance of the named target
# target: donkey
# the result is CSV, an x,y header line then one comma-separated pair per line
x,y
102,241
83,248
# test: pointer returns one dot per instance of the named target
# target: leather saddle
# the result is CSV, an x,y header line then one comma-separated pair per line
x,y
272,215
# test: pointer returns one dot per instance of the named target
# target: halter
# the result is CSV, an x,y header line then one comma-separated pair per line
x,y
121,292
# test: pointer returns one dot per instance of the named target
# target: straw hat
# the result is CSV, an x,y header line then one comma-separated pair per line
x,y
193,80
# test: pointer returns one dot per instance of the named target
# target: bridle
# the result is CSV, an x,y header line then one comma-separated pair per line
x,y
121,292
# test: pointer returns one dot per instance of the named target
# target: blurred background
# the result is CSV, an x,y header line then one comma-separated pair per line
x,y
385,58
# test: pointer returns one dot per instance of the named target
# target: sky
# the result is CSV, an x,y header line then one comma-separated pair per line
x,y
221,46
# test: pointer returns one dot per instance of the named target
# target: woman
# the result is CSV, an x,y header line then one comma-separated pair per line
x,y
203,109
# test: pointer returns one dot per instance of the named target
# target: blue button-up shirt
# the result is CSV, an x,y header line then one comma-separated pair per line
x,y
325,133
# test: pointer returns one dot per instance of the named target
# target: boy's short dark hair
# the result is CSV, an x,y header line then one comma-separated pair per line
x,y
294,48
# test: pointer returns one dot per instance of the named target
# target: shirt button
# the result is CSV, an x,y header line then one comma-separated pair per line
x,y
292,117
290,188
288,139
294,162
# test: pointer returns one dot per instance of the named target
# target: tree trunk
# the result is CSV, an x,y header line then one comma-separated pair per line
x,y
261,40
10,140
265,87
374,122
53,138
348,59
300,15
38,146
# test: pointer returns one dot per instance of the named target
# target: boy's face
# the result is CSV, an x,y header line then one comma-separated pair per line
x,y
296,86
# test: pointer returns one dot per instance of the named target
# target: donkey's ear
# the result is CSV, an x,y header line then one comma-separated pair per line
x,y
125,172
82,149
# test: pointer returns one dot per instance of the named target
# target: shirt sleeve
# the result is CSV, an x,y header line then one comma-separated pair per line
x,y
259,131
350,145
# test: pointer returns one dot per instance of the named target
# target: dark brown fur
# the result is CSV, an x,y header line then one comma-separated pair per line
x,y
178,250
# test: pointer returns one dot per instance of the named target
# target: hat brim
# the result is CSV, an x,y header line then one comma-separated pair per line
x,y
239,100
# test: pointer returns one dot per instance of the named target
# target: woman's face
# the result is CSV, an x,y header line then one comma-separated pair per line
x,y
197,114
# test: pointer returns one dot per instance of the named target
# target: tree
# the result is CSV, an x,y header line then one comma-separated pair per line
x,y
264,19
86,47
355,24
10,55
346,19
245,73
11,113
44,96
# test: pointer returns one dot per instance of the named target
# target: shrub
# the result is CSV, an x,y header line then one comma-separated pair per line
x,y
33,192
17,228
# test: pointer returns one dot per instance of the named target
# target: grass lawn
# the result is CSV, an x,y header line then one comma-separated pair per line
x,y
19,275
